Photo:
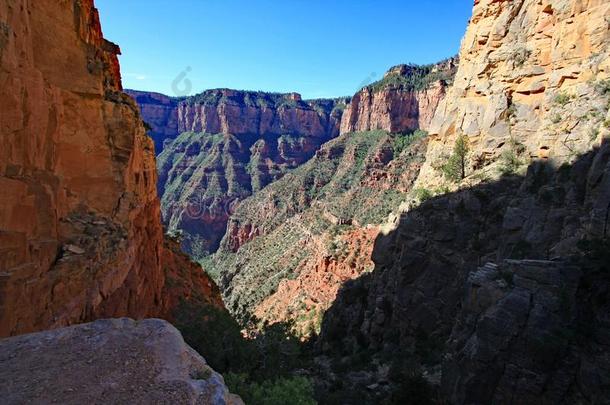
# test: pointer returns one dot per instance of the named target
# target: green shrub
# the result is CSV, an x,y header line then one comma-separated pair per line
x,y
417,77
562,99
593,134
556,118
408,384
509,162
423,194
214,334
603,87
520,56
275,351
455,167
294,390
403,141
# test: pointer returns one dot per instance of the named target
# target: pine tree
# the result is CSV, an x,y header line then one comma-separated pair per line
x,y
455,168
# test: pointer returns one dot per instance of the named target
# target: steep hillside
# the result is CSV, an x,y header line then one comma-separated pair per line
x,y
256,139
290,246
80,228
496,293
251,139
404,100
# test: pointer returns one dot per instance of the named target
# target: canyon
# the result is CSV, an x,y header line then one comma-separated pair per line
x,y
219,147
444,265
338,222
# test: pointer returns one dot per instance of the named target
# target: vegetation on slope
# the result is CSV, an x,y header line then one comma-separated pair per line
x,y
201,176
260,368
353,181
412,77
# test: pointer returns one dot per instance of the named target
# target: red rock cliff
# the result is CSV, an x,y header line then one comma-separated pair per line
x,y
239,113
80,231
404,100
160,112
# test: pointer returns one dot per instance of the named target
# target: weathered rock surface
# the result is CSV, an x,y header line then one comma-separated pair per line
x,y
530,330
404,100
108,361
530,74
80,230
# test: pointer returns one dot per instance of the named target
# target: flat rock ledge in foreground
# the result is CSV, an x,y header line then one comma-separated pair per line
x,y
114,361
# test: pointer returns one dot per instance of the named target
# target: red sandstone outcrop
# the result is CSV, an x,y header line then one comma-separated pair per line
x,y
80,231
247,113
160,112
306,298
404,100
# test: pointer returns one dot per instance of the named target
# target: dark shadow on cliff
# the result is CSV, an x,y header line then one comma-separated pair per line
x,y
495,293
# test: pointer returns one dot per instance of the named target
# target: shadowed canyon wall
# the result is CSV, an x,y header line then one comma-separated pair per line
x,y
497,292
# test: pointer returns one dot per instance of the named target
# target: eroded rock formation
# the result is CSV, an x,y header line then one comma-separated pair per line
x,y
249,140
240,113
529,76
403,101
80,229
108,361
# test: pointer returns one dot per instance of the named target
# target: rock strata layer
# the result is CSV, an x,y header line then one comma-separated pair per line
x,y
240,113
403,101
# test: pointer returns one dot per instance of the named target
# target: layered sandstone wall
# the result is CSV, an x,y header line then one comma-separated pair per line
x,y
403,101
392,110
80,229
232,113
529,75
240,113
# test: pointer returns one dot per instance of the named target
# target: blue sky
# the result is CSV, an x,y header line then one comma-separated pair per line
x,y
319,48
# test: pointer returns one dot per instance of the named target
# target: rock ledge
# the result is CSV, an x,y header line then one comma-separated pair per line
x,y
108,361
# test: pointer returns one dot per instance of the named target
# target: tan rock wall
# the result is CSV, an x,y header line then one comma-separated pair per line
x,y
528,73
